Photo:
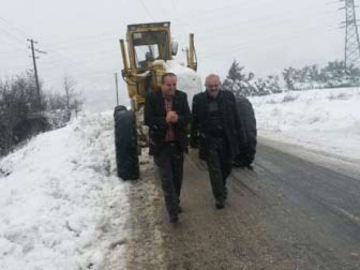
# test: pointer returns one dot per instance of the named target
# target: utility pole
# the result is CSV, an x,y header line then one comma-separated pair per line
x,y
35,70
117,89
352,41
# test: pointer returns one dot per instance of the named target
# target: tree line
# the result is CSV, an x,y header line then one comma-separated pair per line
x,y
23,114
333,75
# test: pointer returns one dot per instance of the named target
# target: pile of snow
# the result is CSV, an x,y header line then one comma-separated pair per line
x,y
327,120
188,80
61,204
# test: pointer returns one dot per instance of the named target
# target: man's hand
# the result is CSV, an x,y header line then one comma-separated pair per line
x,y
172,117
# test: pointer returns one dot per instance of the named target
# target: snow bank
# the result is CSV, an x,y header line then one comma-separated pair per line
x,y
326,119
61,205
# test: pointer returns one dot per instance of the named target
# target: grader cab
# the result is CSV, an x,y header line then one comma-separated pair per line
x,y
145,52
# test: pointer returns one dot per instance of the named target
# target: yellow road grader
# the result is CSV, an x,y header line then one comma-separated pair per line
x,y
145,52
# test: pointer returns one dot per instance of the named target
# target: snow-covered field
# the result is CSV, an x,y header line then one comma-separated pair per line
x,y
61,204
326,120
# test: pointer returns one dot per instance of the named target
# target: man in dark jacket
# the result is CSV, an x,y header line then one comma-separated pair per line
x,y
215,131
167,114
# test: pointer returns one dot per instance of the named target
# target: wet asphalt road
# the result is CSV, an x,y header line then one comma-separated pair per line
x,y
288,213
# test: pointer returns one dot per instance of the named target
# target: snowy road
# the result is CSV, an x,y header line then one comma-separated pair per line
x,y
289,213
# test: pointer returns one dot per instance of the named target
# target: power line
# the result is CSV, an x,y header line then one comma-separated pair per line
x,y
264,20
212,30
178,16
20,41
16,38
200,16
84,39
10,25
242,46
15,41
13,26
146,9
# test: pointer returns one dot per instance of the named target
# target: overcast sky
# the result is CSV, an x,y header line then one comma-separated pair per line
x,y
81,37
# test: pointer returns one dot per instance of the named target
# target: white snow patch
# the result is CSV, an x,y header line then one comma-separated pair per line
x,y
60,200
327,120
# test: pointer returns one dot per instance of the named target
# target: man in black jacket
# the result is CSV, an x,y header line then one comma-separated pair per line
x,y
215,131
167,114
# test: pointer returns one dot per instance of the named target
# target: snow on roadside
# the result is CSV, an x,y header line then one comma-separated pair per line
x,y
61,204
326,120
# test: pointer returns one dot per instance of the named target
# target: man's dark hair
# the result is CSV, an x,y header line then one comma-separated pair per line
x,y
167,74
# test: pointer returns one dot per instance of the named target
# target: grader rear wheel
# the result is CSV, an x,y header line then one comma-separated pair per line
x,y
248,126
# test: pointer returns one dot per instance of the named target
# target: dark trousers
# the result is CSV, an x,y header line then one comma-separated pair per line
x,y
170,161
219,164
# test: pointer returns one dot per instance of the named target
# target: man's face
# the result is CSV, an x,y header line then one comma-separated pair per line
x,y
213,86
169,86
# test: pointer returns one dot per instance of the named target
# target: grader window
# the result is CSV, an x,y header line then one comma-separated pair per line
x,y
150,46
146,53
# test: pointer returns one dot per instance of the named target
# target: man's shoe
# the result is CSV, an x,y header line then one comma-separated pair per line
x,y
219,205
174,219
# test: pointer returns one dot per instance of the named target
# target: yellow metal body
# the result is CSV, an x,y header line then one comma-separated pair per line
x,y
145,44
192,63
141,76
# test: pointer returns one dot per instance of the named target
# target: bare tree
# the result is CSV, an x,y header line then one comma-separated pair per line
x,y
73,98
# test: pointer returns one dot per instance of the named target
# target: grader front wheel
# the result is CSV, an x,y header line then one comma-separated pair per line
x,y
126,146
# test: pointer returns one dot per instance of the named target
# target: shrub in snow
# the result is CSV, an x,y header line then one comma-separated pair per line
x,y
245,84
267,86
289,98
340,96
239,83
334,75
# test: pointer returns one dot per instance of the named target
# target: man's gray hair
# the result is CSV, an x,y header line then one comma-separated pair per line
x,y
212,75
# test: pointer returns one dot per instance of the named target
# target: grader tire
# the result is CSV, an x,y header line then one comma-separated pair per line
x,y
248,126
127,159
